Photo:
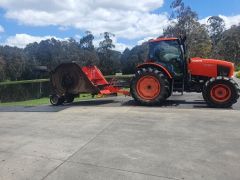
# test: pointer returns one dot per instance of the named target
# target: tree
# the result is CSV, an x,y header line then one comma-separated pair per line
x,y
198,42
109,59
228,47
186,23
88,52
2,69
216,28
131,58
185,19
88,58
86,42
14,62
107,42
45,53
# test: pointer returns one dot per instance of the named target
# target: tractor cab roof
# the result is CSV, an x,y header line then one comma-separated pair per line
x,y
163,39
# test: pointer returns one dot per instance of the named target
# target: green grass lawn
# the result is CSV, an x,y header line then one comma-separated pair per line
x,y
35,102
42,101
45,101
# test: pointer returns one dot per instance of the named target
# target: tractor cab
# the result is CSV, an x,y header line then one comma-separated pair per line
x,y
167,70
170,53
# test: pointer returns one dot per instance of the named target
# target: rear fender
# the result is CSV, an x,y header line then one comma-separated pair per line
x,y
157,66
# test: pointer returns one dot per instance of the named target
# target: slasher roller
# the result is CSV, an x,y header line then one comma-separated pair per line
x,y
68,80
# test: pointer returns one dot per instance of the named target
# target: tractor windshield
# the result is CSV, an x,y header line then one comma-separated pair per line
x,y
169,53
164,51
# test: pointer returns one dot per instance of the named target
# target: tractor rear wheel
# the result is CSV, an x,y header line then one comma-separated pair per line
x,y
221,92
149,86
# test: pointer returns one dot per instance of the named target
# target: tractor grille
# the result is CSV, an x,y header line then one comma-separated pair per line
x,y
223,71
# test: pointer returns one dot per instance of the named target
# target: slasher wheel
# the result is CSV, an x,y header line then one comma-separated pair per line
x,y
69,98
56,100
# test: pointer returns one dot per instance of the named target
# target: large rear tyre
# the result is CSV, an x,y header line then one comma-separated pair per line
x,y
149,86
221,92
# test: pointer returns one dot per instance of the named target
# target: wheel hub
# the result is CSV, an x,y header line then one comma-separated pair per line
x,y
220,93
148,87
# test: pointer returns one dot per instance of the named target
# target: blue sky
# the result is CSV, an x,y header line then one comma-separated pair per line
x,y
209,7
131,21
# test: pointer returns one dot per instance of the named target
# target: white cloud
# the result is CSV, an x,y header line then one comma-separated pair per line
x,y
229,20
1,29
120,46
204,20
140,42
83,5
21,40
127,19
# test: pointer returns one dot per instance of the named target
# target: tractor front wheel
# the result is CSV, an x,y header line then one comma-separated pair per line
x,y
221,92
149,86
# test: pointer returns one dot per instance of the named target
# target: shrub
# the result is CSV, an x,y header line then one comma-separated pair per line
x,y
238,74
238,68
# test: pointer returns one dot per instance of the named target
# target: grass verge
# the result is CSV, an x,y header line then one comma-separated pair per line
x,y
238,74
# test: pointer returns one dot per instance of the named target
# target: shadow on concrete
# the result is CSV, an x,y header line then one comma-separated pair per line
x,y
45,108
167,103
119,101
50,108
96,102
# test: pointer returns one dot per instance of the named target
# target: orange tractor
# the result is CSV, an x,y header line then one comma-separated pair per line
x,y
166,70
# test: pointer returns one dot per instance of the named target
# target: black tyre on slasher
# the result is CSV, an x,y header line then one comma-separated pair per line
x,y
69,98
56,100
150,86
221,92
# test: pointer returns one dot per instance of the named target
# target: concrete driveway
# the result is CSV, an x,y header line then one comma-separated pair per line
x,y
114,139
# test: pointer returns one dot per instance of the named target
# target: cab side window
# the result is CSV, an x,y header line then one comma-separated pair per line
x,y
165,52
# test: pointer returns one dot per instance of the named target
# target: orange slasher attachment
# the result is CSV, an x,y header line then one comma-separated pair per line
x,y
70,78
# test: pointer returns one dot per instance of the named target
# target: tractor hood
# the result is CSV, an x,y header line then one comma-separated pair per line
x,y
210,67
